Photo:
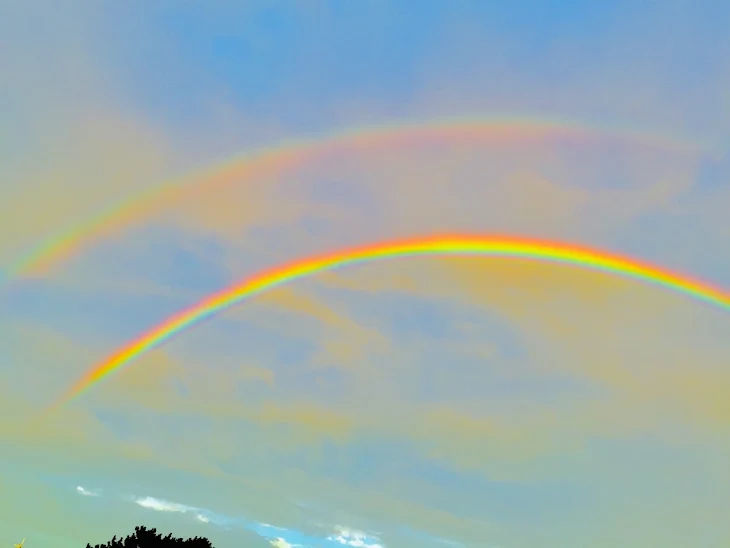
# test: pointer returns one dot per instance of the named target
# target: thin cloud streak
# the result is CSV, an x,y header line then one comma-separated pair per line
x,y
278,536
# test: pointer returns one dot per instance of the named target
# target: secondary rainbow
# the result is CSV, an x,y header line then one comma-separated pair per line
x,y
290,153
464,245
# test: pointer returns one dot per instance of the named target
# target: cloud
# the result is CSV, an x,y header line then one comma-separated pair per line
x,y
85,492
162,505
151,382
340,339
548,302
543,300
486,440
526,371
290,537
547,192
281,543
357,539
200,514
309,417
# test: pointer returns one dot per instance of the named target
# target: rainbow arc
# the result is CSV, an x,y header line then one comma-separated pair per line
x,y
496,246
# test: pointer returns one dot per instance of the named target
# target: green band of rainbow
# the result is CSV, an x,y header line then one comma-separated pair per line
x,y
286,154
487,246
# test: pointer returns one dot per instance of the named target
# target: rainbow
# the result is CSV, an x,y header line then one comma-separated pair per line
x,y
459,245
291,153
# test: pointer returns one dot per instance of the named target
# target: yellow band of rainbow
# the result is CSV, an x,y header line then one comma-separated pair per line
x,y
293,152
453,245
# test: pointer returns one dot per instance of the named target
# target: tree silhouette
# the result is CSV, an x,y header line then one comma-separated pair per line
x,y
150,538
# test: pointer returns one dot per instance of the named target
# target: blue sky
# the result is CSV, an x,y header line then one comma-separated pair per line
x,y
421,402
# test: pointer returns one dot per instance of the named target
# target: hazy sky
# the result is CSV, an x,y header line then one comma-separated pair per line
x,y
406,403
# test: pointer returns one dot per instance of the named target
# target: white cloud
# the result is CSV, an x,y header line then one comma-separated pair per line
x,y
356,539
201,514
160,505
281,543
279,537
85,492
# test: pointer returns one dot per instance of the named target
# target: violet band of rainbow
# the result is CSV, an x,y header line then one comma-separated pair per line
x,y
451,245
293,152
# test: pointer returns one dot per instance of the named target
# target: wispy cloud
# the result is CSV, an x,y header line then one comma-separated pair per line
x,y
484,401
357,539
85,492
278,536
281,543
162,505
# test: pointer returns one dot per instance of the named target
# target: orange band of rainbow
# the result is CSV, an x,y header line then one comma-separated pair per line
x,y
464,245
294,152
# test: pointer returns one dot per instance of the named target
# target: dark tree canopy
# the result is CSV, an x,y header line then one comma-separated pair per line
x,y
150,538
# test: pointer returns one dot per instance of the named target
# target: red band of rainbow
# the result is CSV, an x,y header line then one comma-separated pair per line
x,y
293,152
464,245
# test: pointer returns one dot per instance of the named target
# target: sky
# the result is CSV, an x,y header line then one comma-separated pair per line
x,y
409,402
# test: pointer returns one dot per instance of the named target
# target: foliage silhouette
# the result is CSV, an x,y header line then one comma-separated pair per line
x,y
150,538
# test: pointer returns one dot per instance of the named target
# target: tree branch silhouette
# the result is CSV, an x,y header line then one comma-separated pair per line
x,y
150,538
